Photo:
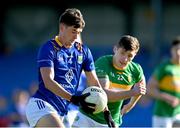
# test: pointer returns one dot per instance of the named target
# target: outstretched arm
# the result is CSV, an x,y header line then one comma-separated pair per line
x,y
154,92
116,95
126,108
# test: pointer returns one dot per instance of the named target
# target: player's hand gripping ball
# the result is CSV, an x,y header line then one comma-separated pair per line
x,y
97,96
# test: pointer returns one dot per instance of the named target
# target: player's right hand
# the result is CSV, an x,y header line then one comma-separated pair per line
x,y
139,89
80,101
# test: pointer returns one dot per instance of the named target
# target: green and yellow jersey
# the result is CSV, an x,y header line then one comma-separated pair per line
x,y
168,76
119,80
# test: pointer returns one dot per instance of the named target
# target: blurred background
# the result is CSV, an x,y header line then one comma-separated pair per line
x,y
25,25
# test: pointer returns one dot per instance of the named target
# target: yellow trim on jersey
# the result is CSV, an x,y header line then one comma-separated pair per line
x,y
120,72
57,40
120,86
117,67
169,84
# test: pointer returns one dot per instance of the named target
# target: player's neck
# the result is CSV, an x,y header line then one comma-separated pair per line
x,y
64,43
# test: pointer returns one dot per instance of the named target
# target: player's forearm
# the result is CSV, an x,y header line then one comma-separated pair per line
x,y
154,93
130,105
114,96
49,82
57,89
165,96
134,100
92,79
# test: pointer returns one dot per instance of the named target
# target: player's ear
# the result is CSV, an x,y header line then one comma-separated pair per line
x,y
115,49
61,26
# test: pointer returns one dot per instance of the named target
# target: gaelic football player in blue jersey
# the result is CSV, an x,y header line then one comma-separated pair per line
x,y
60,62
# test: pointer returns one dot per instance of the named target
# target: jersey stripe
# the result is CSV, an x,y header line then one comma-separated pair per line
x,y
170,83
120,86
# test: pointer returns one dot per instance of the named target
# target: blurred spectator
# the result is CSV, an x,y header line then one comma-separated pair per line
x,y
20,98
4,119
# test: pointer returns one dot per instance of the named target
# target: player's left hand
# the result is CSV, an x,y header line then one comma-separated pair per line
x,y
80,100
108,118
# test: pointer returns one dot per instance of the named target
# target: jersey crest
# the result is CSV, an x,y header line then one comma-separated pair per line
x,y
80,59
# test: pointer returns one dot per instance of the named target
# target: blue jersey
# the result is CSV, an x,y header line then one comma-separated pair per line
x,y
68,64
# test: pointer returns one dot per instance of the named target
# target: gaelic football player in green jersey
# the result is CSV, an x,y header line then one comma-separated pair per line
x,y
164,87
121,78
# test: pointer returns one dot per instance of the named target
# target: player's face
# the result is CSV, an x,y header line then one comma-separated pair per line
x,y
175,51
122,57
69,34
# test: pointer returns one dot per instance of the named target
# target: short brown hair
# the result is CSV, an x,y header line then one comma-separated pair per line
x,y
129,43
72,17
